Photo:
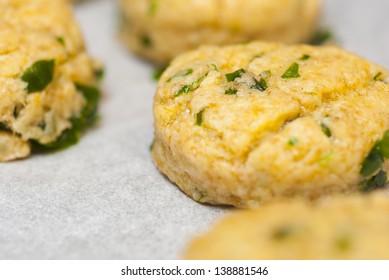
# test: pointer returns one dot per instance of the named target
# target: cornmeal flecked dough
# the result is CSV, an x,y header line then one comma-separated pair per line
x,y
246,124
159,30
39,36
352,228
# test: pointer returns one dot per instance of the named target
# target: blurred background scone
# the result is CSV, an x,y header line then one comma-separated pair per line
x,y
246,124
159,30
47,79
353,228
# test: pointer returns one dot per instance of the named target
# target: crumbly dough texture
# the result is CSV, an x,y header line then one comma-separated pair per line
x,y
159,30
353,228
255,146
34,30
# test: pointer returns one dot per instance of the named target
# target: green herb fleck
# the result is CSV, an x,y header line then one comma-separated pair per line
x,y
42,124
3,127
153,7
182,73
343,243
39,75
146,41
151,147
231,91
305,57
99,74
283,233
376,182
214,67
195,85
261,85
383,145
321,37
372,163
183,89
157,73
292,72
324,160
377,77
293,141
326,130
87,118
234,75
201,195
60,40
266,74
199,118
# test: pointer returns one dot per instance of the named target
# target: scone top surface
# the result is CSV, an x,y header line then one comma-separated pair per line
x,y
352,228
250,123
161,29
44,65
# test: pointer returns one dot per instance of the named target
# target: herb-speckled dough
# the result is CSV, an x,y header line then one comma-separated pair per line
x,y
342,228
159,30
300,121
35,31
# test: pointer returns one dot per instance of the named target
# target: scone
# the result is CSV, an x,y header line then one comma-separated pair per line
x,y
343,228
48,91
159,30
246,124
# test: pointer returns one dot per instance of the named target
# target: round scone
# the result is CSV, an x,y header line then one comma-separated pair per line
x,y
47,80
341,228
160,30
246,124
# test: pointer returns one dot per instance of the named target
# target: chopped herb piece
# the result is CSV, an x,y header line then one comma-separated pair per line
x,y
292,72
377,77
152,146
60,40
326,129
42,124
16,111
39,75
183,89
99,74
324,160
234,75
321,37
376,182
201,195
261,85
231,91
283,233
195,85
383,145
343,243
293,141
199,118
92,96
266,74
3,127
182,73
87,118
153,7
305,57
157,73
214,67
372,163
146,41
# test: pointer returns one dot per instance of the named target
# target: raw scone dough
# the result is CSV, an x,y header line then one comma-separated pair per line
x,y
47,80
159,30
343,228
246,124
